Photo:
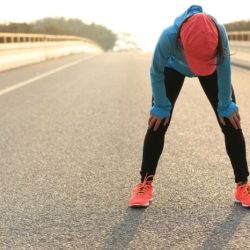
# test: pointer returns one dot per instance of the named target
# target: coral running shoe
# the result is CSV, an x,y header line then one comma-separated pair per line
x,y
142,193
242,194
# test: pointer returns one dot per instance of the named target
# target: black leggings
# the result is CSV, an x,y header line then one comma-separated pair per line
x,y
234,139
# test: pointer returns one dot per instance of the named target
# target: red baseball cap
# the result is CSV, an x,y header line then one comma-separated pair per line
x,y
199,37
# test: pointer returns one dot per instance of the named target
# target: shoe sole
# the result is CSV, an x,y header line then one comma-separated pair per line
x,y
243,205
141,205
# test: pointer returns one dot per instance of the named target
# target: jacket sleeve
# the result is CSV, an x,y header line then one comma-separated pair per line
x,y
161,104
226,107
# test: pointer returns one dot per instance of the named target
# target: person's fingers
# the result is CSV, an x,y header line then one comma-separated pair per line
x,y
237,121
234,120
238,116
231,119
157,124
222,121
151,122
166,121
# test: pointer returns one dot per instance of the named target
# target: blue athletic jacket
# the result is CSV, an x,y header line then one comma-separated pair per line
x,y
167,54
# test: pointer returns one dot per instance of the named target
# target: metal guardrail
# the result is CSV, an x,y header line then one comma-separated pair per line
x,y
239,35
19,49
24,37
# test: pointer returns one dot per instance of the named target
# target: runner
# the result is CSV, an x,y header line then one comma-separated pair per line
x,y
196,45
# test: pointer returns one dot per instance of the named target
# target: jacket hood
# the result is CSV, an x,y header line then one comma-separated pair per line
x,y
189,12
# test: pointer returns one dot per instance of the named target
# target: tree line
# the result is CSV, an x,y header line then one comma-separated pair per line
x,y
104,37
238,26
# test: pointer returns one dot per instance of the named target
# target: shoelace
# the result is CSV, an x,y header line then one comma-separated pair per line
x,y
141,188
246,188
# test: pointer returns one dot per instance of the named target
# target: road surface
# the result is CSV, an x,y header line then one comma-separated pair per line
x,y
71,138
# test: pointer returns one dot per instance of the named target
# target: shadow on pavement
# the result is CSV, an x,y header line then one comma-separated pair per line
x,y
123,233
224,231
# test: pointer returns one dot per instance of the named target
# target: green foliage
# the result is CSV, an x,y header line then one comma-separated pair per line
x,y
15,27
238,26
60,26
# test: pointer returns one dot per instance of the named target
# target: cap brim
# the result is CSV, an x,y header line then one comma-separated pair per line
x,y
200,67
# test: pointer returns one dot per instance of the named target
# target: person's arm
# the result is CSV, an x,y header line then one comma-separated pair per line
x,y
226,107
161,104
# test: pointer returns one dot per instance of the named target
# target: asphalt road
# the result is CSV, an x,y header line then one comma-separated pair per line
x,y
71,143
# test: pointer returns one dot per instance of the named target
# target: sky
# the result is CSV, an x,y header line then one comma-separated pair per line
x,y
144,19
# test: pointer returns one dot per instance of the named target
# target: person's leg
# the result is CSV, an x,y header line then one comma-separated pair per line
x,y
154,140
234,139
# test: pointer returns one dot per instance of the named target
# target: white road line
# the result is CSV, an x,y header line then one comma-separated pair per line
x,y
31,80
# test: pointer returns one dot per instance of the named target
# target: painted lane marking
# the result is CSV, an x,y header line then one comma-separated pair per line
x,y
36,78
